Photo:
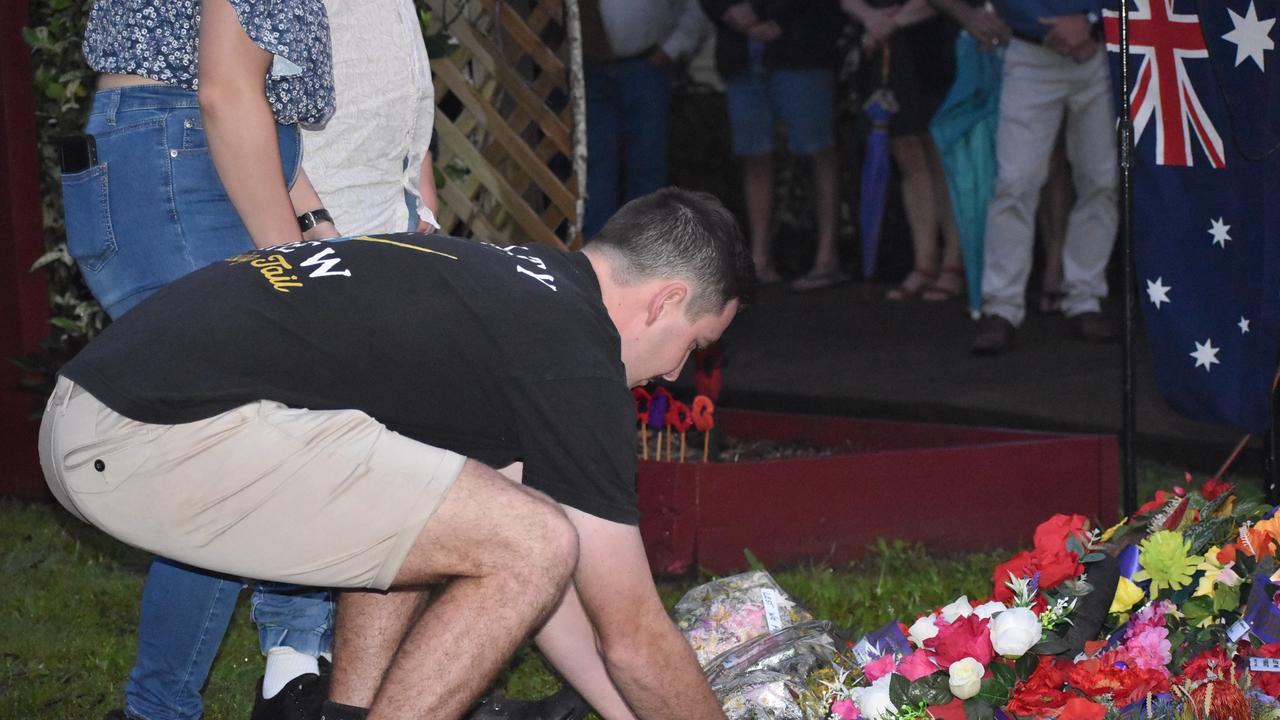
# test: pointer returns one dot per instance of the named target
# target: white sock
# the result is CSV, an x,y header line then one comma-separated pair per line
x,y
283,665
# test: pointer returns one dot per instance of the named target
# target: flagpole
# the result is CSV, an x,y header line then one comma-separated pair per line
x,y
1128,437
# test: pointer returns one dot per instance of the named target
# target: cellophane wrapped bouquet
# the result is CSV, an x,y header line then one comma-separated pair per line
x,y
1172,614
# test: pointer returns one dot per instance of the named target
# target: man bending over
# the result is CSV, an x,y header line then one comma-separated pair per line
x,y
330,414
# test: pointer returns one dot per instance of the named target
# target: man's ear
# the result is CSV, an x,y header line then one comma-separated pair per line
x,y
666,298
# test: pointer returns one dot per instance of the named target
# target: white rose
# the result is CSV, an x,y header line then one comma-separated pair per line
x,y
987,609
958,609
873,702
923,629
966,677
1014,632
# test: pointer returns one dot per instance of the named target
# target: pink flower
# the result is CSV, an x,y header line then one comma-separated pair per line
x,y
916,666
879,667
1149,648
845,710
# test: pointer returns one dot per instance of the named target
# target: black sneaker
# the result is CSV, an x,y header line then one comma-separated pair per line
x,y
301,699
565,704
1094,327
993,336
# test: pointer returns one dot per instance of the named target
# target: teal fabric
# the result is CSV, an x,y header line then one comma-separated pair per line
x,y
964,129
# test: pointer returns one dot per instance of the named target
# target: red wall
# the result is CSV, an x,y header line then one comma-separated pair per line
x,y
24,308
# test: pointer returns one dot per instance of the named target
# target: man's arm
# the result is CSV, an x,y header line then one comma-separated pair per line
x,y
647,657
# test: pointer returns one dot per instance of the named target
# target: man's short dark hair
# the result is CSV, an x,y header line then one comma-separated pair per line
x,y
680,233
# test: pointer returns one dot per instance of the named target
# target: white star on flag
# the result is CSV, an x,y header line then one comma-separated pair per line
x,y
1206,355
1219,232
1252,37
1158,292
1243,325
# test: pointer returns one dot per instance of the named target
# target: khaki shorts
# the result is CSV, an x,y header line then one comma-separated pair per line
x,y
325,498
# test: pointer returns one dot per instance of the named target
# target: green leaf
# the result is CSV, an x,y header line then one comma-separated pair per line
x,y
934,689
899,690
1075,588
1050,645
993,692
753,562
1093,557
1003,674
1026,665
1074,545
975,708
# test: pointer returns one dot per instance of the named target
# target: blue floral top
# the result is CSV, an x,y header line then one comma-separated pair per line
x,y
159,39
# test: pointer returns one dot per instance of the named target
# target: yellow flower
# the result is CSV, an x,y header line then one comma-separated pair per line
x,y
1211,568
1165,562
1112,530
1127,595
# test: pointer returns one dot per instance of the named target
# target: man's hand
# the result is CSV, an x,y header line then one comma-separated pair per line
x,y
648,660
878,22
1070,36
986,27
764,32
740,17
659,58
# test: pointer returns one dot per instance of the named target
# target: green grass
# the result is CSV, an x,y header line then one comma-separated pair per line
x,y
69,602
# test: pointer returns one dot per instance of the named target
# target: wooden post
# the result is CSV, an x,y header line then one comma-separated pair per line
x,y
24,318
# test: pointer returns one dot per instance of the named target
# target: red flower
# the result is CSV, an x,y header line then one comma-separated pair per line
x,y
966,637
1266,682
1214,488
1051,536
1213,661
1081,709
1054,567
1159,501
1041,694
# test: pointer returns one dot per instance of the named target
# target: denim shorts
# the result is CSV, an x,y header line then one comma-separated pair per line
x,y
803,100
152,209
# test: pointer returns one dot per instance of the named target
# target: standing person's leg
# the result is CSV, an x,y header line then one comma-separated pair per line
x,y
1051,219
1030,107
805,100
369,630
752,124
950,282
183,617
1091,227
645,105
295,628
921,210
602,147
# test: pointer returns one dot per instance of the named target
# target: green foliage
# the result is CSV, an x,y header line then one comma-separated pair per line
x,y
63,88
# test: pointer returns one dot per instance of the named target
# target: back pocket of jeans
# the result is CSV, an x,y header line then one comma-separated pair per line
x,y
91,240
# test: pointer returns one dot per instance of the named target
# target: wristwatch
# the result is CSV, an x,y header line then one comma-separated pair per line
x,y
308,220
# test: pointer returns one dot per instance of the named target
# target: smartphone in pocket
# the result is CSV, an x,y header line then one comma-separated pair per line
x,y
77,153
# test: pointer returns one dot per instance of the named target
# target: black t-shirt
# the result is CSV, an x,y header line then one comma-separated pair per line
x,y
498,354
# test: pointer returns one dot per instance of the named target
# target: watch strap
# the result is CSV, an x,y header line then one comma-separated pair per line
x,y
310,219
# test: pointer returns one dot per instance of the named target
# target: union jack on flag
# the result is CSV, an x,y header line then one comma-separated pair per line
x,y
1205,103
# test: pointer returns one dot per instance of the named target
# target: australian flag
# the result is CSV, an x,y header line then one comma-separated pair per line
x,y
1205,103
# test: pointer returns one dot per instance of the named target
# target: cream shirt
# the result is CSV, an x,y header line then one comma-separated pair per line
x,y
370,152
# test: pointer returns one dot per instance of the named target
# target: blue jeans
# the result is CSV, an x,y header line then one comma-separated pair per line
x,y
151,210
627,103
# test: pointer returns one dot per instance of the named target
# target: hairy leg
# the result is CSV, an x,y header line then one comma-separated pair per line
x,y
510,553
369,628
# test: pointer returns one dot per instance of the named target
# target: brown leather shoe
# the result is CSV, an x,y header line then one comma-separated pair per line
x,y
993,336
1094,327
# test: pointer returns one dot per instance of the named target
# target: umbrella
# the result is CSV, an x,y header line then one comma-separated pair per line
x,y
875,167
964,129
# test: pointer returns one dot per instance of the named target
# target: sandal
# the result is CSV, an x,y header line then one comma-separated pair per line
x,y
820,279
948,286
912,285
1051,302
